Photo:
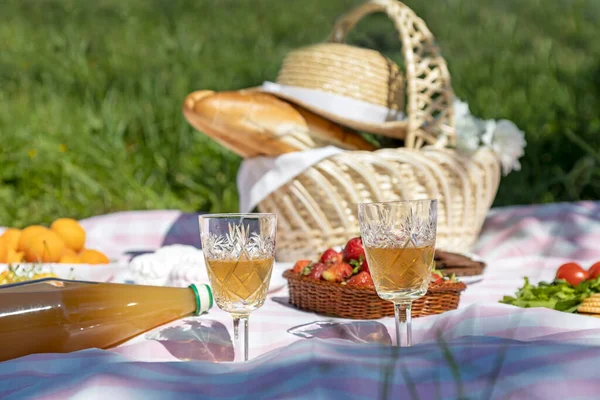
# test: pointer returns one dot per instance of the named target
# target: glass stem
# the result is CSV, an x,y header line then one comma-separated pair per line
x,y
403,323
240,337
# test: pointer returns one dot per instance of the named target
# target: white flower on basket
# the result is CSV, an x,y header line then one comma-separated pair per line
x,y
508,142
461,109
502,137
468,128
487,135
468,135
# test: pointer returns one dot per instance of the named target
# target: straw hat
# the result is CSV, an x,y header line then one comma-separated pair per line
x,y
356,87
362,89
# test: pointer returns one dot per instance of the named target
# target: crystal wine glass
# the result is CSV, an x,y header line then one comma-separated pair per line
x,y
399,239
239,251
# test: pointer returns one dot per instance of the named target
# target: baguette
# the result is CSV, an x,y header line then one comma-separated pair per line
x,y
251,123
325,132
230,142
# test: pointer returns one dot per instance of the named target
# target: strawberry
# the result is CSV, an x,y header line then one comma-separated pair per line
x,y
436,277
365,266
362,279
317,271
300,265
330,256
337,272
354,250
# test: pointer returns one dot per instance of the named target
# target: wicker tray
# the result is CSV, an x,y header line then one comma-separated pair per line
x,y
341,301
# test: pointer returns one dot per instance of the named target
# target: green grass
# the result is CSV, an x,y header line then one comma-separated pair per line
x,y
91,91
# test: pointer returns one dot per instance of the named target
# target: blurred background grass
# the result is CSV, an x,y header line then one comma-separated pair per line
x,y
90,93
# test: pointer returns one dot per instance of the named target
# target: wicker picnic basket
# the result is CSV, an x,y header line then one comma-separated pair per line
x,y
318,209
334,299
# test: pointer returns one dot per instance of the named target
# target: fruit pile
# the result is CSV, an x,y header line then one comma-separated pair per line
x,y
348,267
63,242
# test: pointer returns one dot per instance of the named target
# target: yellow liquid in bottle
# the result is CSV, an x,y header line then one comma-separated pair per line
x,y
62,316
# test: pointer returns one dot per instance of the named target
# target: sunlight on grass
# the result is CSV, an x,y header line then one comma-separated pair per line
x,y
90,118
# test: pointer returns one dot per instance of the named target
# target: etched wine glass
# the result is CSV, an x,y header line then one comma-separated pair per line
x,y
239,250
399,240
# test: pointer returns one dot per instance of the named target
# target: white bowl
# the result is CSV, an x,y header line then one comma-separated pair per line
x,y
80,272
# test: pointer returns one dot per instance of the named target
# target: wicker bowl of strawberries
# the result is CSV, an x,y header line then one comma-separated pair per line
x,y
339,284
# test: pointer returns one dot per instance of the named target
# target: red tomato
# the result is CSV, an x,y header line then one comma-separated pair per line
x,y
572,273
594,270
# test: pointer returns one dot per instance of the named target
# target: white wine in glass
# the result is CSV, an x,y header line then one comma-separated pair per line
x,y
239,250
399,239
400,272
240,286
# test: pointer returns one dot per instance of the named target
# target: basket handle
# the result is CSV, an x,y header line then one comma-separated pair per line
x,y
428,88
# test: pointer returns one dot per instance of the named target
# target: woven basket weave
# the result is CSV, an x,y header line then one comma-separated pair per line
x,y
318,209
342,301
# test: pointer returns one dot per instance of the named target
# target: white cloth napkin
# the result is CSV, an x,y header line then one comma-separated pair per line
x,y
258,177
174,265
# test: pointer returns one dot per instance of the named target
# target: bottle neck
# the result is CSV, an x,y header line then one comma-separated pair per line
x,y
203,296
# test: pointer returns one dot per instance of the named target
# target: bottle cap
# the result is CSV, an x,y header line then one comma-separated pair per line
x,y
204,297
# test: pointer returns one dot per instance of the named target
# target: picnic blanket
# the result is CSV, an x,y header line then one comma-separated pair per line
x,y
482,350
470,367
569,230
